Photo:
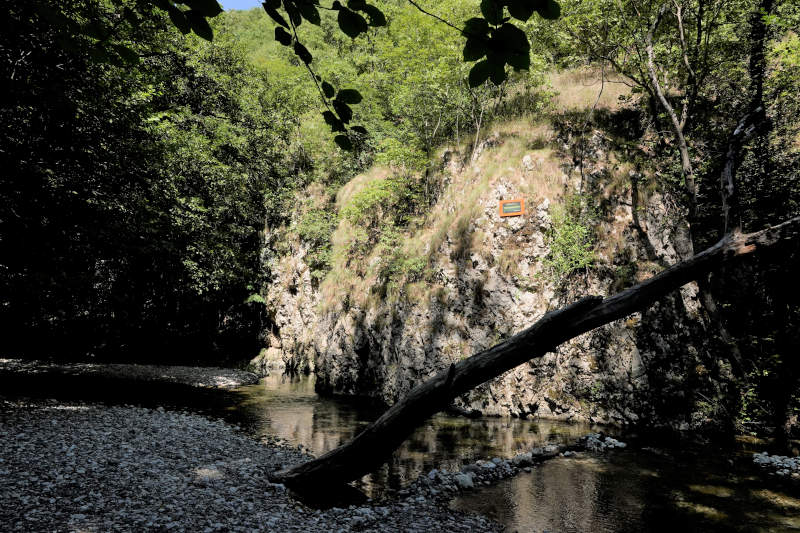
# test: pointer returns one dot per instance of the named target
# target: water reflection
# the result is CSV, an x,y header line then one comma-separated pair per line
x,y
289,408
634,491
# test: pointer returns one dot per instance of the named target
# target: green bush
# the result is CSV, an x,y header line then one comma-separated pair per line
x,y
315,228
571,238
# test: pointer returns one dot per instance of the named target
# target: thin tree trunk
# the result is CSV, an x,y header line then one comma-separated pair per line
x,y
370,448
677,124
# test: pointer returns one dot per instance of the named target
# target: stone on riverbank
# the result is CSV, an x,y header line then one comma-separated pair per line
x,y
75,467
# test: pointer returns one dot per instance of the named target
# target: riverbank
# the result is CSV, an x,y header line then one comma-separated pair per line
x,y
204,377
83,467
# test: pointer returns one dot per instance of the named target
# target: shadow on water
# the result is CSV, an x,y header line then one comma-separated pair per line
x,y
634,491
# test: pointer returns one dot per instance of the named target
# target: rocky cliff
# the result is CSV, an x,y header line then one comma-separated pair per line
x,y
488,277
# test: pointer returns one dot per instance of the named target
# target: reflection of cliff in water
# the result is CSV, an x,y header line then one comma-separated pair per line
x,y
290,409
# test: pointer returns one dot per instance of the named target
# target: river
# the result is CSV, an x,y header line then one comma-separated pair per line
x,y
683,488
649,486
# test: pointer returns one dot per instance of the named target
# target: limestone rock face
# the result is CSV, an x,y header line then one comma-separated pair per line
x,y
643,366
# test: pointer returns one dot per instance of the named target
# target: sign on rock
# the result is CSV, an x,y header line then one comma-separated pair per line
x,y
512,208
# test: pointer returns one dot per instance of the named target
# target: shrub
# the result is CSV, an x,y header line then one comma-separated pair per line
x,y
571,238
315,228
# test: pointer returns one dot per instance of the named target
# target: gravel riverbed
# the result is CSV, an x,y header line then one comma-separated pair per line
x,y
206,377
76,467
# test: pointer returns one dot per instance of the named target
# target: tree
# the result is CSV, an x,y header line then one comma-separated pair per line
x,y
374,444
134,193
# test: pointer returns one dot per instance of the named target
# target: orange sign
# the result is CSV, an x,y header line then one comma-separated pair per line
x,y
512,208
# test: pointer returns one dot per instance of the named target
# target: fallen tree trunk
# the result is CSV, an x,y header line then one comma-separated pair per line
x,y
370,448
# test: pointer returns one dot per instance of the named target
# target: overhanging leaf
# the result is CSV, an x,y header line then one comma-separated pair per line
x,y
282,36
512,40
343,110
476,27
497,73
549,9
208,8
179,19
200,25
479,73
293,12
127,55
303,53
309,12
273,13
519,61
492,11
474,49
344,142
351,23
327,90
333,121
521,9
349,96
376,16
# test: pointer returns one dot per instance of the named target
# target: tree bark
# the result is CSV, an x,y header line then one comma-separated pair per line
x,y
370,448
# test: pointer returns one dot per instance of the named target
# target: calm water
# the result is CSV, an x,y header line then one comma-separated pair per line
x,y
680,489
633,491
290,409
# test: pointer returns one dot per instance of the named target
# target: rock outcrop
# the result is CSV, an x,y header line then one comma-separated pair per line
x,y
650,365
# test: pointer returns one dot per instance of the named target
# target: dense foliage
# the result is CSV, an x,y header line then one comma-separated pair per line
x,y
134,193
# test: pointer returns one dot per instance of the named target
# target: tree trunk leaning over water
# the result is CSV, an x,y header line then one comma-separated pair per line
x,y
373,446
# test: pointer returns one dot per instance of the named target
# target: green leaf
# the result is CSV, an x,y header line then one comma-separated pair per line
x,y
344,142
359,129
521,9
479,73
327,90
358,5
179,19
303,53
474,49
200,25
351,23
208,8
549,9
349,96
492,11
343,110
273,13
309,12
333,121
376,16
282,36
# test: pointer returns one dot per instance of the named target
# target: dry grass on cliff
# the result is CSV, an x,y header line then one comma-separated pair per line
x,y
578,89
455,228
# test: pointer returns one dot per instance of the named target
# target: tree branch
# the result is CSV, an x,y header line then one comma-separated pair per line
x,y
370,448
